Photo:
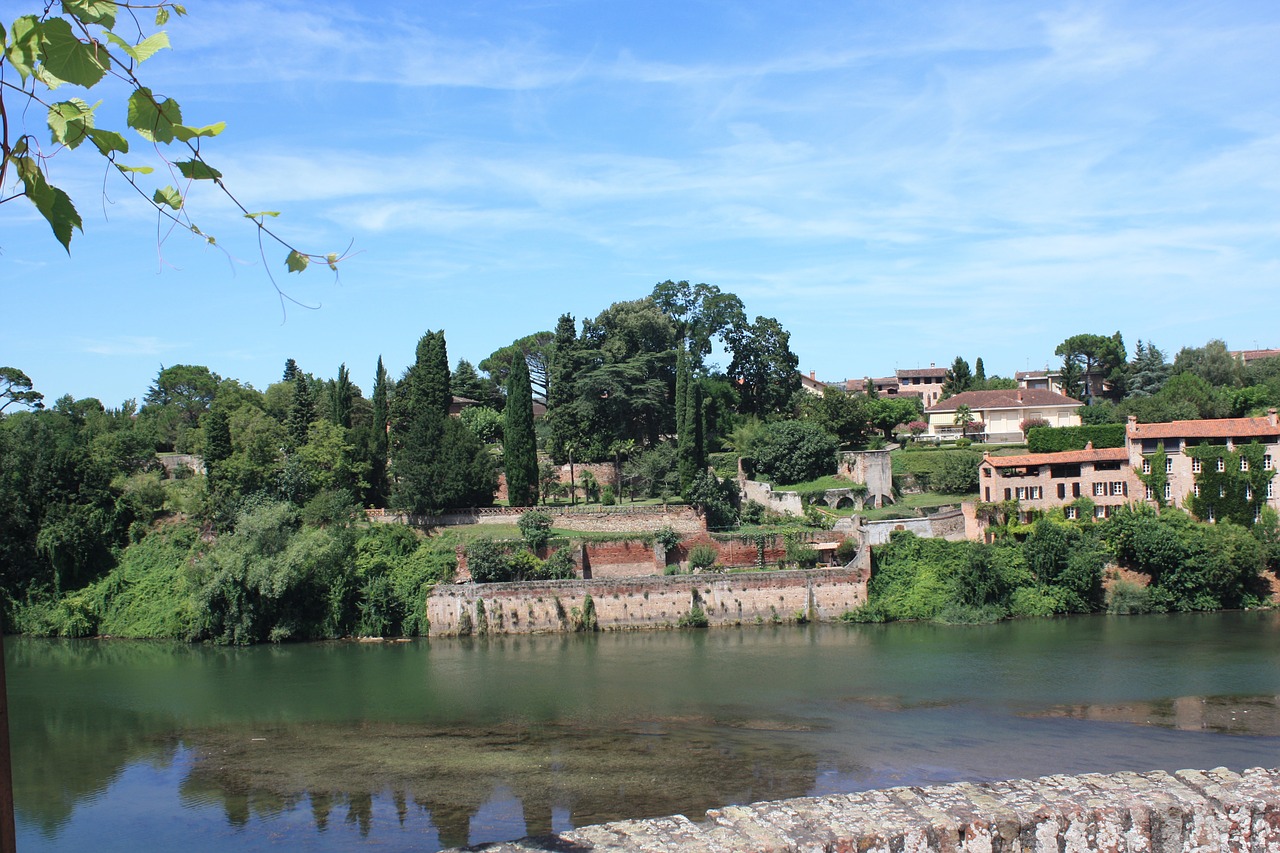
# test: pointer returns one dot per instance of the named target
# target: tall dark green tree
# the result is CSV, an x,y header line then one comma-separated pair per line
x,y
519,445
566,361
684,432
302,412
341,400
217,439
375,441
959,378
290,370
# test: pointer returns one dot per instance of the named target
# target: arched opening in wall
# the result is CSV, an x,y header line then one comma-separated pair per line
x,y
845,502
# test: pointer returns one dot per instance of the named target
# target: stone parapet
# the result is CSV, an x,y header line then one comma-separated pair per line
x,y
1156,812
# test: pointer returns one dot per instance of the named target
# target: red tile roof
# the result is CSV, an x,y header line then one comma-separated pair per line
x,y
1066,457
1219,428
927,372
1015,398
1249,355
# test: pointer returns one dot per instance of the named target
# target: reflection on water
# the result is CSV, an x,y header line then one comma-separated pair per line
x,y
421,745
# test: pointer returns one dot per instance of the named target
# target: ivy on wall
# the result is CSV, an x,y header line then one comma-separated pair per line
x,y
1159,477
1237,492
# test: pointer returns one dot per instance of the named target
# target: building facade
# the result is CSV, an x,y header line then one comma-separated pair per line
x,y
1216,469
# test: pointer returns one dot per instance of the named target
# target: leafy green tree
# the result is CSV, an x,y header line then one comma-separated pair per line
x,y
535,527
1211,362
1101,360
764,365
1071,378
957,473
467,382
716,499
701,313
794,451
888,412
846,416
217,442
485,422
964,419
83,44
566,360
535,351
290,370
519,445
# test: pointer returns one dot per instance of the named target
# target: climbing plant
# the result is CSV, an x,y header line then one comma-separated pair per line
x,y
86,44
1158,477
1232,483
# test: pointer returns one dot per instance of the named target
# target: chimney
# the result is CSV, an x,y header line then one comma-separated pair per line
x,y
1019,395
1271,416
812,375
1088,445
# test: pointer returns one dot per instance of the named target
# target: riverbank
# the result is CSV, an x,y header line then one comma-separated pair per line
x,y
1149,812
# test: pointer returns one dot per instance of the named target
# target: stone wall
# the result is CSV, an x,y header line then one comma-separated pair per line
x,y
763,494
946,524
616,519
873,468
647,602
1157,812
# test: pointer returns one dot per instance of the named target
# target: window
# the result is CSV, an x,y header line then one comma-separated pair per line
x,y
1266,462
1151,493
1062,491
1008,493
1075,490
1244,464
1168,491
1168,464
1118,488
1270,492
1195,490
1146,466
1222,464
986,472
1248,493
1099,512
1072,512
1211,518
1222,491
1030,493
1195,466
1099,489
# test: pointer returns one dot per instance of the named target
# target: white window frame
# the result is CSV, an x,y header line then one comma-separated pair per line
x,y
1146,466
1099,490
1151,493
1222,464
1267,464
1168,464
1117,488
1244,463
1168,491
1195,466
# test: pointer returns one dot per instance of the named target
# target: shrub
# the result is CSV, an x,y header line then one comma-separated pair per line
x,y
667,537
703,556
535,527
847,550
1127,597
1029,424
488,562
752,512
560,566
607,497
963,442
695,618
802,554
716,498
1056,439
957,474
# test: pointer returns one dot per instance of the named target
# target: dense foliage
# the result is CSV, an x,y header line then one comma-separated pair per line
x,y
1058,439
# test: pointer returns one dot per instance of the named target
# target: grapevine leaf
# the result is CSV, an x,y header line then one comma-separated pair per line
x,y
68,58
168,196
101,12
296,262
185,133
197,170
153,119
261,213
143,50
141,170
24,50
162,16
108,141
54,205
71,121
178,10
332,260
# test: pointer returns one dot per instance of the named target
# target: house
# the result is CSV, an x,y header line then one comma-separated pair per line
x,y
998,415
1195,455
1249,356
1049,380
923,382
811,384
887,385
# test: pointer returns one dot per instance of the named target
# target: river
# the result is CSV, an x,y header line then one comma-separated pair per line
x,y
123,745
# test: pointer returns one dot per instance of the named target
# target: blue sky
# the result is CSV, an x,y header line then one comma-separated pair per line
x,y
897,182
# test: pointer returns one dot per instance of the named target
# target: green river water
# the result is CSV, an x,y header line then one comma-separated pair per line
x,y
130,746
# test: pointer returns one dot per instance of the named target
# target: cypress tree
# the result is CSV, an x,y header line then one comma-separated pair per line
x,y
686,417
290,370
302,412
217,439
519,446
376,438
340,402
564,427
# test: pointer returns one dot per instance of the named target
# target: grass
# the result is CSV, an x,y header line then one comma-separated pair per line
x,y
828,482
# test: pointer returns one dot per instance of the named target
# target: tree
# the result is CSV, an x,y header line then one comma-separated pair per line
x,y
290,370
1211,362
701,312
765,367
1101,361
795,451
846,416
341,400
302,412
964,419
534,350
83,46
15,387
1147,372
565,362
979,375
1071,378
958,380
519,446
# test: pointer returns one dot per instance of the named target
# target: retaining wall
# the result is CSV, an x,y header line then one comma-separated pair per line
x,y
1191,810
647,602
